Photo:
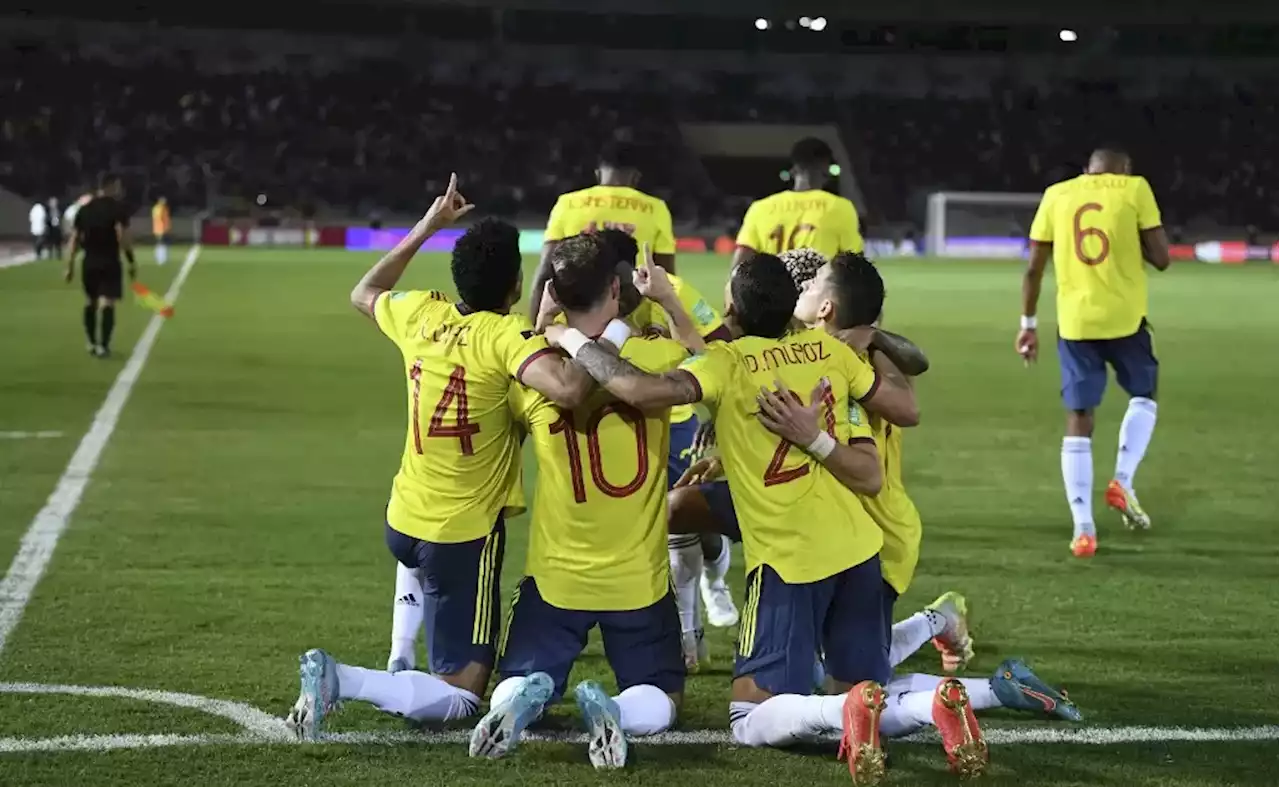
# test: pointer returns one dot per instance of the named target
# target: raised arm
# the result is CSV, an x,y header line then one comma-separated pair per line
x,y
1027,343
384,275
652,282
620,378
856,465
541,275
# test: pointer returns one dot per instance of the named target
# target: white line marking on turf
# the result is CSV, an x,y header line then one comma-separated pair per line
x,y
261,727
44,435
17,259
42,536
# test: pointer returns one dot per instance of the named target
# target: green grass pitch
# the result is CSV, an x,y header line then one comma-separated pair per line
x,y
235,520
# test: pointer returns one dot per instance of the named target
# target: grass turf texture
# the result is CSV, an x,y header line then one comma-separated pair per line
x,y
235,520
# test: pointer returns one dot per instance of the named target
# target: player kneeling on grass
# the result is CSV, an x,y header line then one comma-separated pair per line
x,y
597,544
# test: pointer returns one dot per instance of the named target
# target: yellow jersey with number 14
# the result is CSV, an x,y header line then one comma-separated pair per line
x,y
462,453
645,218
796,517
598,537
1093,222
814,219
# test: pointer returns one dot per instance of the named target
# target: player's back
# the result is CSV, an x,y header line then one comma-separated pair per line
x,y
815,219
795,516
642,216
96,223
1094,222
599,527
461,455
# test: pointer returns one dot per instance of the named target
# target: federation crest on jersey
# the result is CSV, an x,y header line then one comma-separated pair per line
x,y
703,313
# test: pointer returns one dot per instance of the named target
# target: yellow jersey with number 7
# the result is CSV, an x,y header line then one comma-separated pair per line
x,y
815,219
1093,222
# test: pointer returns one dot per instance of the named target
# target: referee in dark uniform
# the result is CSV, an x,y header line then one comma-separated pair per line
x,y
101,231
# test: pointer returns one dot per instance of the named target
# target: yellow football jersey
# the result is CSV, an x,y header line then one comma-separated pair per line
x,y
1093,222
894,511
814,219
643,217
462,453
598,538
795,516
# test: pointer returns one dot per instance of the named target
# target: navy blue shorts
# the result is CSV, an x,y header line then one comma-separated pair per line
x,y
1084,367
642,645
461,607
680,451
716,493
784,626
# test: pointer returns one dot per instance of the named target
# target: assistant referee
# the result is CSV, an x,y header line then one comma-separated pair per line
x,y
101,230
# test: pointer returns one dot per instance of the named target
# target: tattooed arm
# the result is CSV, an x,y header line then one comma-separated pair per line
x,y
633,386
904,353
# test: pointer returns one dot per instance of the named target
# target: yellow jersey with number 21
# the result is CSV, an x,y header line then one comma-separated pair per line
x,y
462,453
796,517
1093,222
814,219
598,537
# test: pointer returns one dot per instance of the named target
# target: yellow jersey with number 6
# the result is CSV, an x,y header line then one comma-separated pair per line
x,y
461,458
598,537
1093,222
815,219
642,216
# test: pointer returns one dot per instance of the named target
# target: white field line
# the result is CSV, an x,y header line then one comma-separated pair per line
x,y
51,521
17,259
41,435
260,727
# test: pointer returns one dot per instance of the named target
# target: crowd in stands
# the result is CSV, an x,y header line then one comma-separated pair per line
x,y
376,136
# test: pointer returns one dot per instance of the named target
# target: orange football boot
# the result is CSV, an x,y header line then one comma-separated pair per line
x,y
860,744
961,736
1084,545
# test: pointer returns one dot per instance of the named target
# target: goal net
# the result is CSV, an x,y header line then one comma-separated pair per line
x,y
978,223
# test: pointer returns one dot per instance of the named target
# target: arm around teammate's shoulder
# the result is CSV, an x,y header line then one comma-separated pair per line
x,y
856,465
892,395
623,379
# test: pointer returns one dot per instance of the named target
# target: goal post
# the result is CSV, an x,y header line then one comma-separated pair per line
x,y
978,223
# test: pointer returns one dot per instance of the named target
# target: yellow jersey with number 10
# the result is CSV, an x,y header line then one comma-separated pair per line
x,y
1093,222
643,217
795,516
815,219
461,458
598,537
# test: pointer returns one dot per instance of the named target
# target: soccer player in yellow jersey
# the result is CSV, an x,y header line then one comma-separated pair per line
x,y
596,544
445,518
811,549
1101,229
613,203
806,216
161,224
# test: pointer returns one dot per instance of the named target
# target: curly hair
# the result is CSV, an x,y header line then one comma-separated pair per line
x,y
802,264
486,265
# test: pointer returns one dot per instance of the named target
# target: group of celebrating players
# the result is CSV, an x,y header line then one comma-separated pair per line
x,y
798,457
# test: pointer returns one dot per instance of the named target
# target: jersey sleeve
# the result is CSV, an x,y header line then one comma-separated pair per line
x,y
518,346
749,235
395,311
859,424
664,237
557,222
711,369
1042,224
705,317
1148,211
863,379
655,355
528,406
850,231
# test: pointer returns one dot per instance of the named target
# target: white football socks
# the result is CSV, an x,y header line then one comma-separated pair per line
x,y
907,711
1135,435
415,695
714,571
1077,478
786,719
980,693
910,635
646,710
162,254
406,616
685,554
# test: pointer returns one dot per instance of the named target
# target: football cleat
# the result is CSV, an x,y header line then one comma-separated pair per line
x,y
860,743
718,601
319,696
499,731
607,745
961,736
1084,545
1016,686
1126,502
954,643
695,650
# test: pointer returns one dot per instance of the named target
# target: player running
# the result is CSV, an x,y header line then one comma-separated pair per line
x,y
101,231
806,216
596,555
460,473
1099,228
808,587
